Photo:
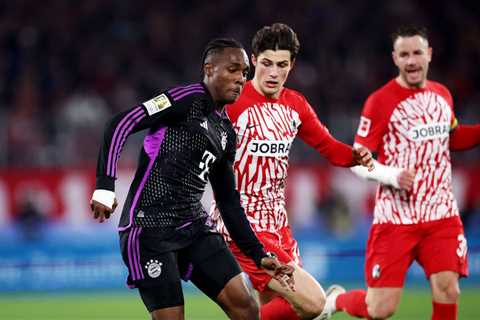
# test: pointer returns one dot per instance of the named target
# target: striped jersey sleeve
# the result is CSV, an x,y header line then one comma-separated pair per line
x,y
163,110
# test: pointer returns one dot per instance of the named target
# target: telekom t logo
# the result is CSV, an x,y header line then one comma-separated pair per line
x,y
204,165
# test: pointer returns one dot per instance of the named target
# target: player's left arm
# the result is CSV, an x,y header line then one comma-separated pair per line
x,y
315,134
464,136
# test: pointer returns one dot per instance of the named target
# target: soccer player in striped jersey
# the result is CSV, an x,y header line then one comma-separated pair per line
x,y
267,117
410,123
163,228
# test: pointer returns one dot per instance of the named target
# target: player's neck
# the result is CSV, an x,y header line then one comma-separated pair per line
x,y
405,85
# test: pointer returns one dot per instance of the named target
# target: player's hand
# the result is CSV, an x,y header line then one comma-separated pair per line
x,y
101,211
363,157
283,273
406,179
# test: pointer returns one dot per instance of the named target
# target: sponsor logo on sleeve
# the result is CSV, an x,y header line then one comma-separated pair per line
x,y
364,126
157,104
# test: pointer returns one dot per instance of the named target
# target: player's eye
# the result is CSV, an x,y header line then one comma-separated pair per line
x,y
266,63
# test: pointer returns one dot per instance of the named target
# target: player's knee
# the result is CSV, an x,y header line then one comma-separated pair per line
x,y
250,311
381,310
452,293
245,309
311,308
449,290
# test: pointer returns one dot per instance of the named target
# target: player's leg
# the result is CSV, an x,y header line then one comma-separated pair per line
x,y
154,273
445,294
214,270
153,300
237,300
278,302
307,300
386,265
382,302
443,256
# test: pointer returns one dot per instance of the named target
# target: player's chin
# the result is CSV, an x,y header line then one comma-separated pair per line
x,y
414,83
232,97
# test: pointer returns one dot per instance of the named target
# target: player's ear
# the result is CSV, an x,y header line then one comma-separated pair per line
x,y
208,69
254,60
394,58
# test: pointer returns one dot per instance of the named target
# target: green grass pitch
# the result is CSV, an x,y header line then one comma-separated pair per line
x,y
125,305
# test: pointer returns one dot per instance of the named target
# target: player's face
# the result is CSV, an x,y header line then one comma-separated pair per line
x,y
271,71
226,75
412,56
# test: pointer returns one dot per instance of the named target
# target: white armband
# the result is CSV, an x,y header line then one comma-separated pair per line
x,y
105,197
381,173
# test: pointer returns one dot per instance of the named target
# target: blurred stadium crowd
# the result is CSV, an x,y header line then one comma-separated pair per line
x,y
67,66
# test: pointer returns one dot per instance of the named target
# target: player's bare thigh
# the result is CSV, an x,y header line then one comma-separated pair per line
x,y
308,298
237,301
172,313
382,302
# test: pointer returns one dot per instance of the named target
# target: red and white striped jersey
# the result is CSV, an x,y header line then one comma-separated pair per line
x,y
265,131
410,128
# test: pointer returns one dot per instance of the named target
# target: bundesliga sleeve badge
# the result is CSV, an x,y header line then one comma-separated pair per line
x,y
157,104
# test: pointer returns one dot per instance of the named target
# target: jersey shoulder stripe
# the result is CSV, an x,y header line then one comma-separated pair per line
x,y
180,92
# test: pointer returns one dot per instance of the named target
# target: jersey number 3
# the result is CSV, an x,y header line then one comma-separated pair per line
x,y
204,165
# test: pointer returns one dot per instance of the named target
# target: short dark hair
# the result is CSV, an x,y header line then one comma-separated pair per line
x,y
278,36
409,31
216,46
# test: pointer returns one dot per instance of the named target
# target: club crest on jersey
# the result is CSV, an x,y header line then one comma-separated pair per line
x,y
224,140
294,125
364,126
429,131
267,148
154,268
376,271
157,104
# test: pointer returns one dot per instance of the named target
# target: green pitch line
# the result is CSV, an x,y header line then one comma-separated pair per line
x,y
415,304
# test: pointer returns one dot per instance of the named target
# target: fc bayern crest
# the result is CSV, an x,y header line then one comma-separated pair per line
x,y
154,268
224,140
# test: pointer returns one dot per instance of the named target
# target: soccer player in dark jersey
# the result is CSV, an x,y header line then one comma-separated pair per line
x,y
164,232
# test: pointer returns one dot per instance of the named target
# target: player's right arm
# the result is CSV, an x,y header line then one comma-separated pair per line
x,y
153,113
372,127
315,134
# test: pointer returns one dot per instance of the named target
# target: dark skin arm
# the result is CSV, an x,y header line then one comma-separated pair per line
x,y
102,212
228,202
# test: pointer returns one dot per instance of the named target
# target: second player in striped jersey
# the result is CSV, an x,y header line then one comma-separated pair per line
x,y
410,123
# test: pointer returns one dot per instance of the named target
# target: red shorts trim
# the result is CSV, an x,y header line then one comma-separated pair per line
x,y
437,246
281,243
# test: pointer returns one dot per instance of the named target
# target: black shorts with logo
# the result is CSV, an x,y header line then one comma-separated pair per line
x,y
158,259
